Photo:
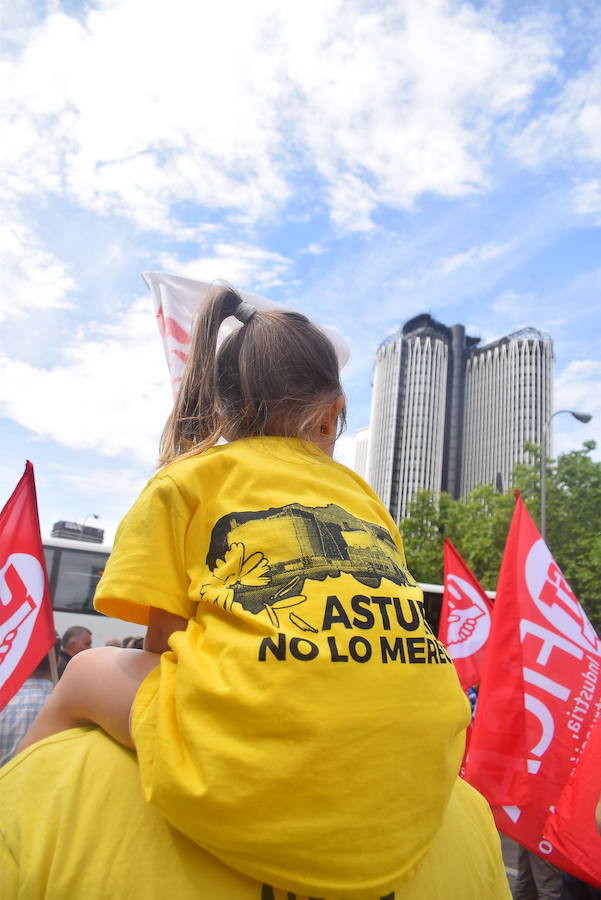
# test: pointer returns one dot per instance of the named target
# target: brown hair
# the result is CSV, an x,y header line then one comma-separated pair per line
x,y
273,376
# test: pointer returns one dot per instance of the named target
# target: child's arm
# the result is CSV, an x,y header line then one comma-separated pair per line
x,y
98,686
161,626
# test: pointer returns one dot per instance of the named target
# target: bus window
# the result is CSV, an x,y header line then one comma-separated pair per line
x,y
78,574
49,553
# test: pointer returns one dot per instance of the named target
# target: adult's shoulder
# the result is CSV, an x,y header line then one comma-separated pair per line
x,y
86,790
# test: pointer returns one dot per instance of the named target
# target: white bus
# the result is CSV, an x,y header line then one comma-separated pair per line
x,y
74,570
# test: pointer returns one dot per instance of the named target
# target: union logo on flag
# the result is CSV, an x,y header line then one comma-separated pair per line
x,y
465,617
26,620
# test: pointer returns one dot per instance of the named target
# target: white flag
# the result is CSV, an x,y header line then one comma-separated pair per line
x,y
176,300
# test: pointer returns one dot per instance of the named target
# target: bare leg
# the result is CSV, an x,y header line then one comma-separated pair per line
x,y
97,686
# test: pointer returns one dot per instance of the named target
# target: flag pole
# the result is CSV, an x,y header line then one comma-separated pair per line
x,y
53,666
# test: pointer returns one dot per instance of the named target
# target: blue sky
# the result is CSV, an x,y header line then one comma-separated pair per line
x,y
361,161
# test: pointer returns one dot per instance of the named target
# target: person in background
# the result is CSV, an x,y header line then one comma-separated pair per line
x,y
21,710
472,696
573,888
75,639
537,879
134,643
113,642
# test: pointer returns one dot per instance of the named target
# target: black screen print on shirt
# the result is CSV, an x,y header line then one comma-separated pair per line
x,y
311,543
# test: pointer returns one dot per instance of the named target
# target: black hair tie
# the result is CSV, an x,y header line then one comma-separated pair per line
x,y
245,311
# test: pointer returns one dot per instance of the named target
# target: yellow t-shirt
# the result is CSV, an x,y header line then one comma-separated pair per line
x,y
75,826
307,727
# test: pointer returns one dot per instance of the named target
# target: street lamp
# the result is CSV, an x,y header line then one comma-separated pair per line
x,y
582,417
89,515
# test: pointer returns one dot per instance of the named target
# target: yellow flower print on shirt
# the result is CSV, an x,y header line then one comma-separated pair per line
x,y
233,570
236,570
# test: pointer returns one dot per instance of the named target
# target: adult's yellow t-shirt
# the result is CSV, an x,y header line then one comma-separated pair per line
x,y
307,727
75,826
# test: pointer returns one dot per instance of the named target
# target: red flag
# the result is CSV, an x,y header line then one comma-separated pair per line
x,y
543,661
26,620
571,827
464,618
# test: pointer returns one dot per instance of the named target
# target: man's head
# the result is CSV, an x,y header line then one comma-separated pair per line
x,y
42,670
76,639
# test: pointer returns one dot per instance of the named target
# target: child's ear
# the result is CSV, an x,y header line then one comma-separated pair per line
x,y
330,417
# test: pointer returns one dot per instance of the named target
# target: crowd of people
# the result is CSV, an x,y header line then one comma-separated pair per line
x,y
291,726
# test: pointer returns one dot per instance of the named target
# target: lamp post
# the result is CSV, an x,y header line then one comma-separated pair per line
x,y
89,515
582,417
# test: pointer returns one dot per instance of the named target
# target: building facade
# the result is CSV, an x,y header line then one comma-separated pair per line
x,y
508,401
361,451
448,414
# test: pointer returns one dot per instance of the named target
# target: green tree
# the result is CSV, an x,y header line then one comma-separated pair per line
x,y
478,524
574,524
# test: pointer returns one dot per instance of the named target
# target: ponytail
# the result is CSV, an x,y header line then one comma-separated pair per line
x,y
194,420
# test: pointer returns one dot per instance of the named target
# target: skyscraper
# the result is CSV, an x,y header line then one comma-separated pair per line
x,y
361,451
448,415
508,400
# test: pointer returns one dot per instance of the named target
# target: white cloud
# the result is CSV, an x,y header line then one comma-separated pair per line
x,y
571,129
110,395
315,249
427,282
17,19
352,202
515,305
587,199
107,491
165,108
405,100
93,481
241,265
220,105
31,278
472,257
